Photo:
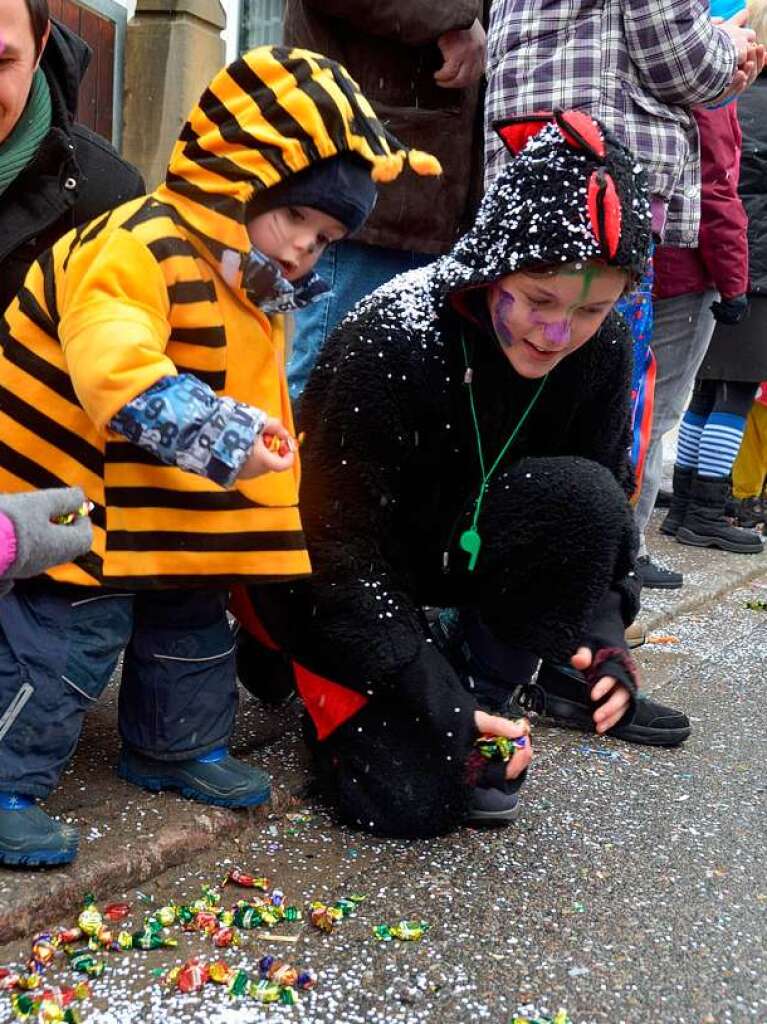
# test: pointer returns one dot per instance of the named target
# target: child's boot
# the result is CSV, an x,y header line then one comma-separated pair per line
x,y
30,838
705,524
680,499
214,778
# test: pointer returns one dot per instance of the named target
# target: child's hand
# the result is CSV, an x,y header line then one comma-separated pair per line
x,y
265,460
494,725
615,707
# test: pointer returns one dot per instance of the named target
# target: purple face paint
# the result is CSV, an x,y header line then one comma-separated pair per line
x,y
501,314
559,331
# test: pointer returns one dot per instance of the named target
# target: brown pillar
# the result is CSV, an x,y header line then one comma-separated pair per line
x,y
173,49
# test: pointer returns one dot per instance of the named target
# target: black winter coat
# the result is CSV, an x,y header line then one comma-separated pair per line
x,y
75,176
390,476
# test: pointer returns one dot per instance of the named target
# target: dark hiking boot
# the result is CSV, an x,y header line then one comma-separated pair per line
x,y
655,577
492,807
564,696
705,524
266,675
30,838
679,501
747,512
663,498
215,778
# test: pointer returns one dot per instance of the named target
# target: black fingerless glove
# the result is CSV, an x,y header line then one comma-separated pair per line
x,y
730,311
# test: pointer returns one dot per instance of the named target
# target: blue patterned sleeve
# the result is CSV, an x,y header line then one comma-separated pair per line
x,y
183,423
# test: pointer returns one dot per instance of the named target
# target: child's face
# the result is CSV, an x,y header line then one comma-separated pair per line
x,y
294,236
542,318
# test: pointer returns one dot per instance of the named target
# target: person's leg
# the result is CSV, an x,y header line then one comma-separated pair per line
x,y
705,522
550,607
750,468
58,649
353,270
178,700
682,331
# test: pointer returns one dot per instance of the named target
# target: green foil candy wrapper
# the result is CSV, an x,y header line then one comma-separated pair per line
x,y
407,931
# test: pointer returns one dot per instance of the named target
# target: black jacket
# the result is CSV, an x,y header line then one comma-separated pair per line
x,y
390,475
75,176
752,113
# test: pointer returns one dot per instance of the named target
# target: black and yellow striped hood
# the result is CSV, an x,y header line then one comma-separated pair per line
x,y
270,114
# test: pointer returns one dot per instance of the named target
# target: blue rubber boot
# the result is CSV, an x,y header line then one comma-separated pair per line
x,y
215,778
30,838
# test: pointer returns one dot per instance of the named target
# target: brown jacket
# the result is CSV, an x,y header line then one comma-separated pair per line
x,y
390,48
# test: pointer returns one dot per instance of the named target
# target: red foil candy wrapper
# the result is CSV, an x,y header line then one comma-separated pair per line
x,y
116,911
193,976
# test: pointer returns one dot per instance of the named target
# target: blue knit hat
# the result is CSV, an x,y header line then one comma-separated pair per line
x,y
339,186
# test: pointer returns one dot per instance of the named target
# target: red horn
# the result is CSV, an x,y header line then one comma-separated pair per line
x,y
605,212
516,131
581,132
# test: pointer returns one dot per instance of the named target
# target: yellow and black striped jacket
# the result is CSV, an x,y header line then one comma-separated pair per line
x,y
154,288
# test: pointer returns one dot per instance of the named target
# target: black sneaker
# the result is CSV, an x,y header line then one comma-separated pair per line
x,y
655,577
492,807
564,695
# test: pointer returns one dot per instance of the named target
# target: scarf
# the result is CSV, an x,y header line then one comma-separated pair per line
x,y
22,144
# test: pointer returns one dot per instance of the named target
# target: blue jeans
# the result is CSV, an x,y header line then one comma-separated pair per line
x,y
352,270
59,646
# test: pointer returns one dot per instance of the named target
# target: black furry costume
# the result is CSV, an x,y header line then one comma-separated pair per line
x,y
390,477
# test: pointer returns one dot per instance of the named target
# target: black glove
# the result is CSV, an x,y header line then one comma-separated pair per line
x,y
730,311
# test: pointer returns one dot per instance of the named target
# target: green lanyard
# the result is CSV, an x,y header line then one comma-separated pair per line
x,y
470,540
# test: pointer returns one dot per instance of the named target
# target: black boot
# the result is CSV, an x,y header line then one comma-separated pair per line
x,y
705,524
679,500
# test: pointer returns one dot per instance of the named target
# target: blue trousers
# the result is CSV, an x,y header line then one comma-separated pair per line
x,y
353,270
59,646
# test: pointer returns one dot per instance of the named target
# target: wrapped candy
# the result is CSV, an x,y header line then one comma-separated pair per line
x,y
43,951
204,921
147,938
220,972
499,748
90,918
8,979
408,931
325,918
68,936
560,1017
281,973
69,517
84,962
224,937
247,881
165,916
192,977
238,984
264,991
248,917
307,979
116,912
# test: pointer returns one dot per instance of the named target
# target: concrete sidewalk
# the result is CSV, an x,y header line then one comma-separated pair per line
x,y
130,837
633,875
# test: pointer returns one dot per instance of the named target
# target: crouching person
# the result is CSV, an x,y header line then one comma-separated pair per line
x,y
143,361
467,447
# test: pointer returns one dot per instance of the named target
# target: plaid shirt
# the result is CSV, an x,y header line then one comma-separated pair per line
x,y
637,65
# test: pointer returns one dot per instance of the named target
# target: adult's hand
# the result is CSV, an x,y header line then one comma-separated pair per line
x,y
495,725
741,36
463,51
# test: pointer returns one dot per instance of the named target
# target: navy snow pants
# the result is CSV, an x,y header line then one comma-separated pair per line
x,y
59,646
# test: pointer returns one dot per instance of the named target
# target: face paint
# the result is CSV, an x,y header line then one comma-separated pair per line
x,y
502,312
558,332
